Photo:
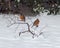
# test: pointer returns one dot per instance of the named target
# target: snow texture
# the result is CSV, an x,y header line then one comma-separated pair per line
x,y
50,38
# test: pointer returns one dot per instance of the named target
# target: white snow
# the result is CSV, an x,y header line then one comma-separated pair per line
x,y
9,36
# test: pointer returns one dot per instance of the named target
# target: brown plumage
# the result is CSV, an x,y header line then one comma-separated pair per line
x,y
36,23
22,17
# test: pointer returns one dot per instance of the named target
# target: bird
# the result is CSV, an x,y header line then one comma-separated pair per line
x,y
36,23
22,17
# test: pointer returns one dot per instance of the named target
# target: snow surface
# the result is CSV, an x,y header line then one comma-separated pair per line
x,y
9,37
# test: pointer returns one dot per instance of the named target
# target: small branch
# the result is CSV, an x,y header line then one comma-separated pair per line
x,y
15,23
28,31
11,24
31,32
22,32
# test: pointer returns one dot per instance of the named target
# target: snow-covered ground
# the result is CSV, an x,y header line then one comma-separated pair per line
x,y
50,38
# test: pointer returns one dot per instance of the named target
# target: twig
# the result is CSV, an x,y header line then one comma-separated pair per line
x,y
31,32
28,30
11,24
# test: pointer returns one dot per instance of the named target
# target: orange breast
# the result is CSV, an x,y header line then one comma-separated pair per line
x,y
22,17
36,22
